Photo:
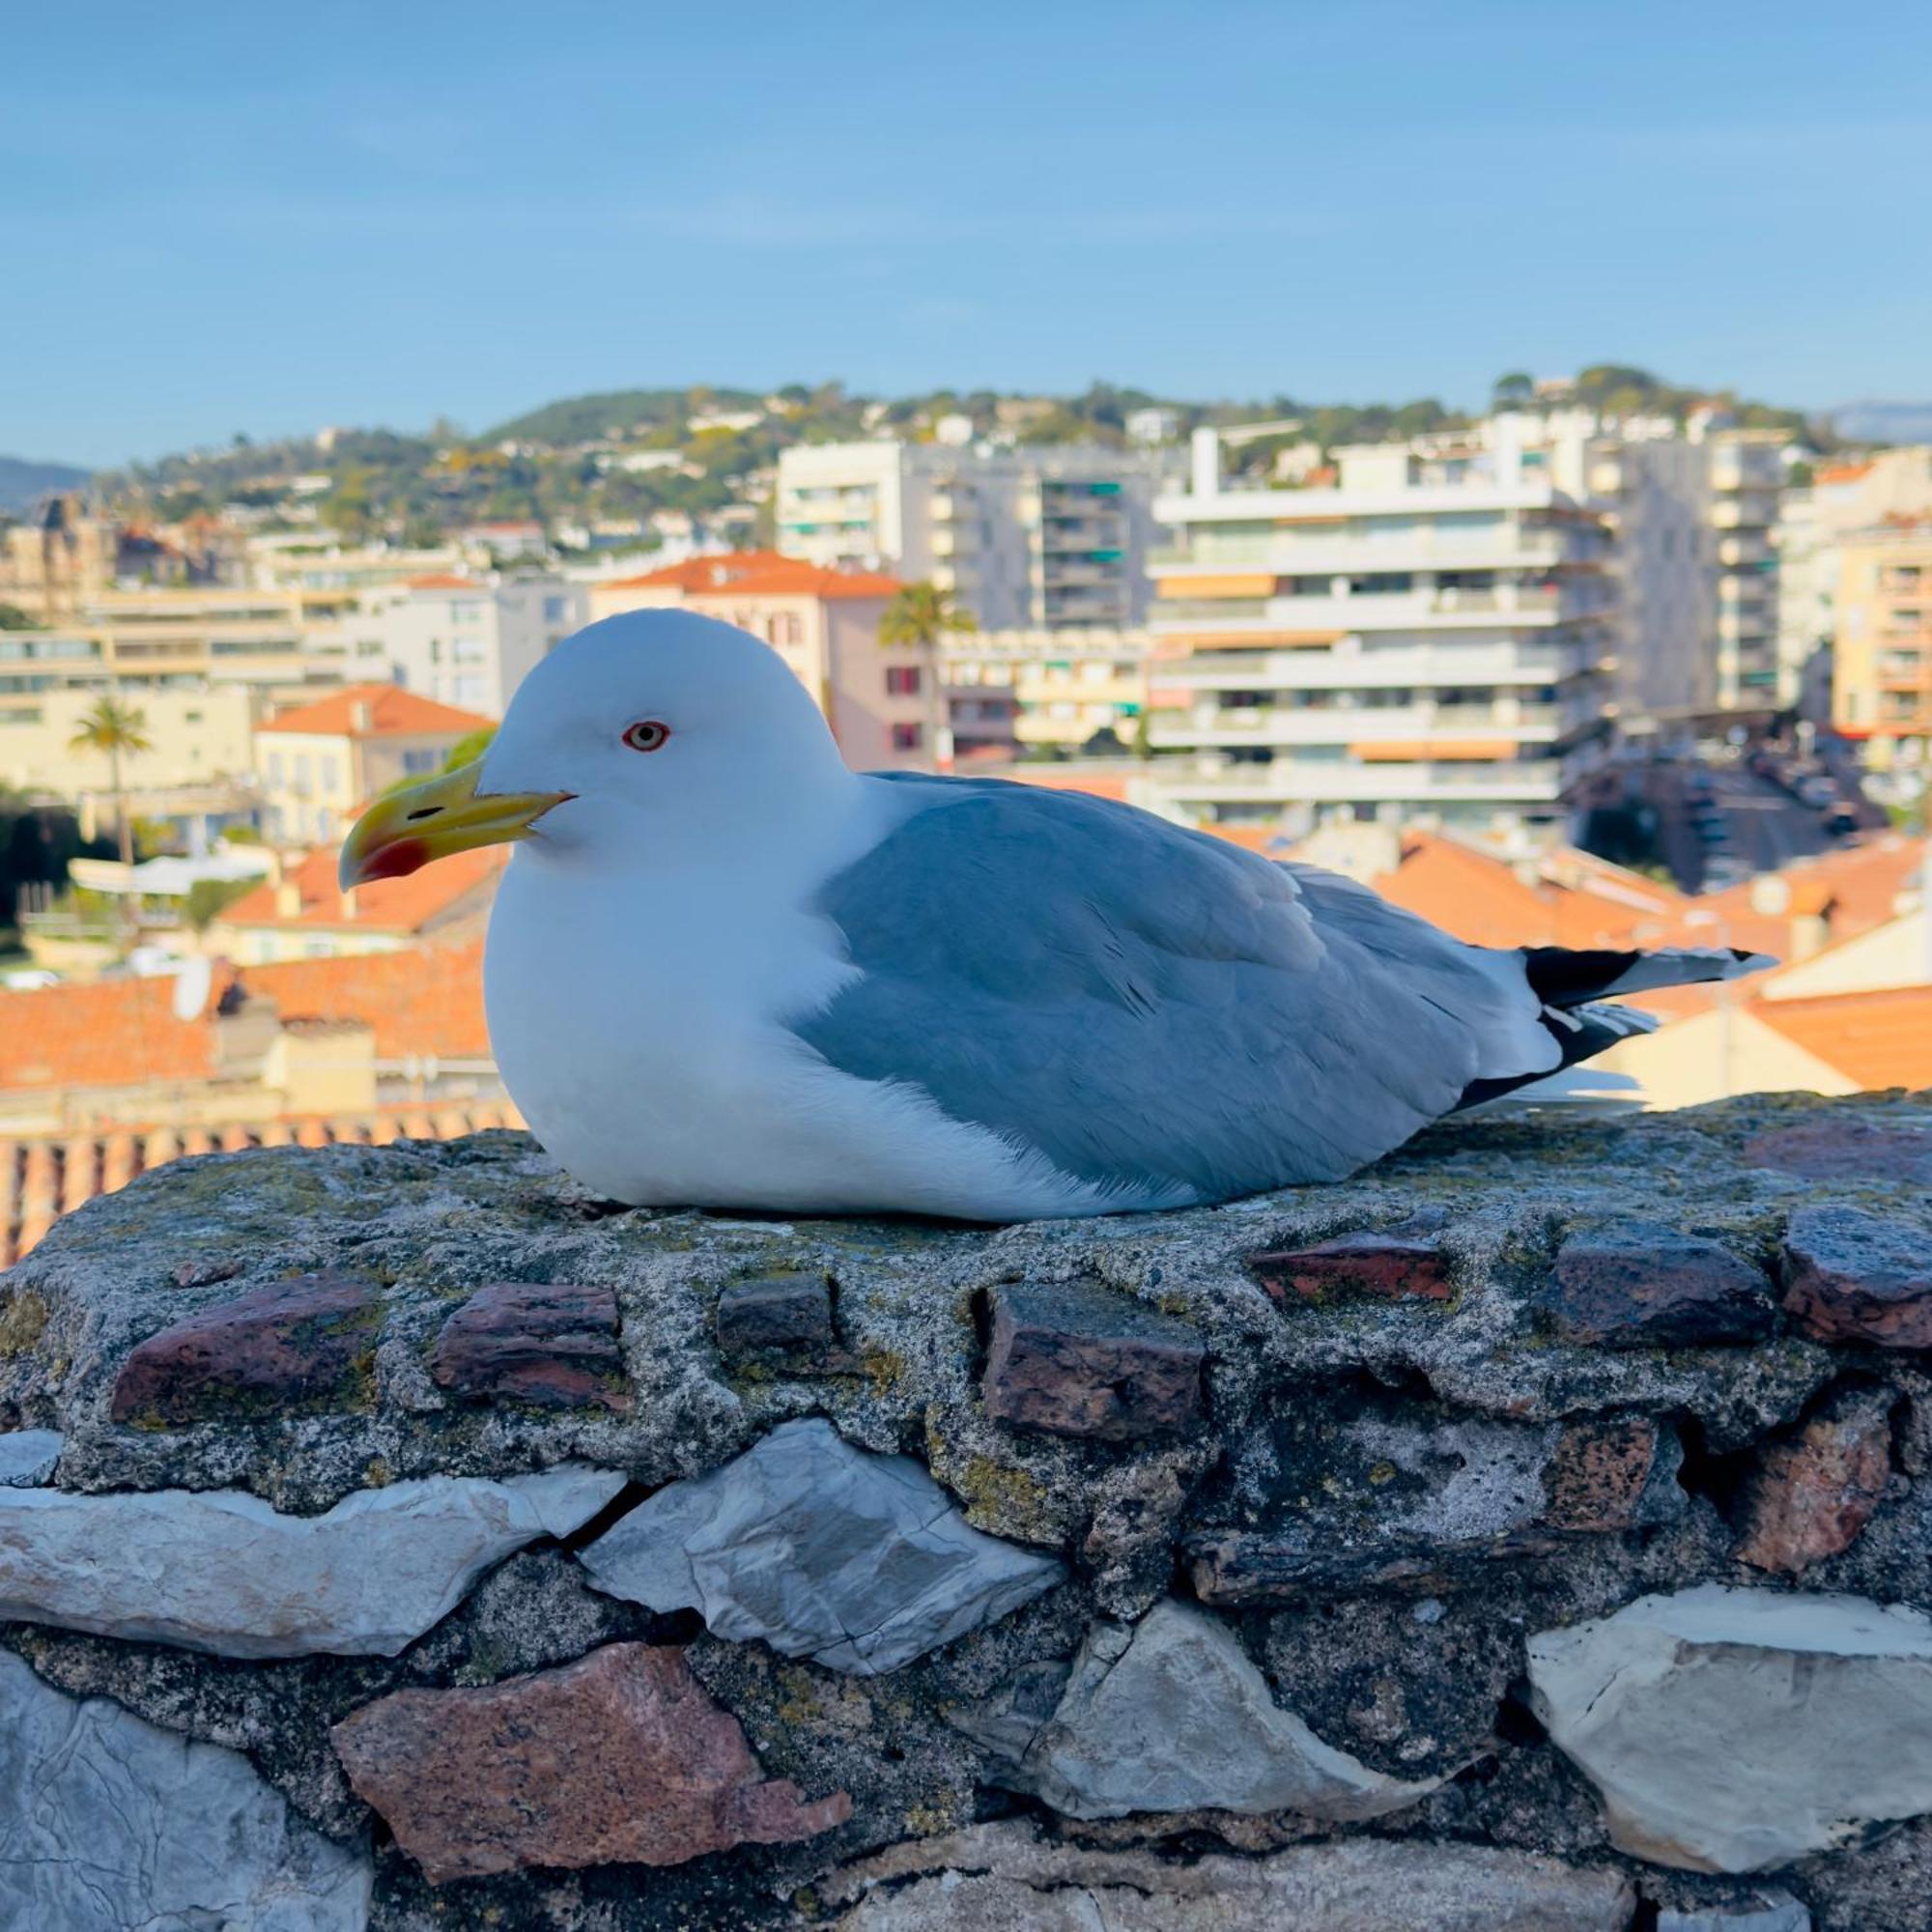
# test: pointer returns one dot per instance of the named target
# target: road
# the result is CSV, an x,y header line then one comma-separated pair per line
x,y
1767,828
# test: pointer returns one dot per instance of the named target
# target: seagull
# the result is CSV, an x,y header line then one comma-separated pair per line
x,y
724,971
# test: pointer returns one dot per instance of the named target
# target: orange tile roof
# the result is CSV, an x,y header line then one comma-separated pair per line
x,y
1842,472
1877,1040
404,905
122,1033
392,713
759,573
442,580
1483,899
43,1178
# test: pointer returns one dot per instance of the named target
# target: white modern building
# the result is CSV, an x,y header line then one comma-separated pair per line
x,y
1432,635
1049,537
1013,693
472,640
1747,479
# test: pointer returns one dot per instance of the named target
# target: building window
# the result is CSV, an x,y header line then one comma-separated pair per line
x,y
274,768
908,738
328,771
418,762
556,610
902,680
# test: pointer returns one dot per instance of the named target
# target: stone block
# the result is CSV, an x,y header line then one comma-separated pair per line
x,y
1851,1276
1365,1264
546,1344
1815,1490
1640,1286
777,1314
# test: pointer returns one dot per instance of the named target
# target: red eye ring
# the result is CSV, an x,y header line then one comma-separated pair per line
x,y
647,734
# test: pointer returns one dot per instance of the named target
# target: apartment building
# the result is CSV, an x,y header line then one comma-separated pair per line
x,y
1841,499
472,640
196,738
1018,693
1745,469
1882,643
1050,537
1427,636
336,587
319,764
882,701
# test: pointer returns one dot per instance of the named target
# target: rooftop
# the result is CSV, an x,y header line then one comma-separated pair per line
x,y
377,711
404,905
119,1034
759,573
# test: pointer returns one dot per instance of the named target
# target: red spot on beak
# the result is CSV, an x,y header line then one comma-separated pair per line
x,y
397,861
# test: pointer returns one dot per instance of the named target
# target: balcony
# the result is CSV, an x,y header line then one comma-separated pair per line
x,y
1324,782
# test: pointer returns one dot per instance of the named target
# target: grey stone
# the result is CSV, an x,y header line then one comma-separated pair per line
x,y
860,1562
28,1456
1174,1717
994,1878
1736,1730
220,1571
777,1313
1764,1911
108,1824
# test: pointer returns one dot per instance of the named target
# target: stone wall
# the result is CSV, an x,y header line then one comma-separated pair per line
x,y
1533,1533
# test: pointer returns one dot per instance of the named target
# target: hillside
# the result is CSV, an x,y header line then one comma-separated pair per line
x,y
564,462
22,483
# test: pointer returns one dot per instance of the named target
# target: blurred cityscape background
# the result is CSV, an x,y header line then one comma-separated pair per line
x,y
1594,656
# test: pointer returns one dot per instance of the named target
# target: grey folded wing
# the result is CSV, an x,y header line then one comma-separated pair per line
x,y
1153,1008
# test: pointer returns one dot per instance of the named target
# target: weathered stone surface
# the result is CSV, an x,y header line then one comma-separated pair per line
x,y
1815,1489
1851,1276
108,1823
778,1312
548,1344
1640,1285
28,1456
1414,1680
1609,1474
1765,1912
293,1345
1383,1267
619,1757
1001,1877
1386,1496
1845,1148
857,1561
1173,1716
1078,1361
1736,1730
220,1571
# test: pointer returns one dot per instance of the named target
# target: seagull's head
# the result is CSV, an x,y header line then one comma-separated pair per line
x,y
655,730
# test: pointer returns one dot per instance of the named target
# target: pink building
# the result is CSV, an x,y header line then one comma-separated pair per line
x,y
879,698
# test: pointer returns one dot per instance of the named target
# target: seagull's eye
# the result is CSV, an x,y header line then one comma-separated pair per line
x,y
647,734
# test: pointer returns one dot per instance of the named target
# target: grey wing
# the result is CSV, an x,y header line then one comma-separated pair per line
x,y
1153,1008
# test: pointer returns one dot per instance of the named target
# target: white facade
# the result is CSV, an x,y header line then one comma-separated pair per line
x,y
471,645
1015,691
1430,636
1049,538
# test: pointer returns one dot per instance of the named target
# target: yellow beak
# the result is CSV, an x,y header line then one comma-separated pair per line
x,y
409,829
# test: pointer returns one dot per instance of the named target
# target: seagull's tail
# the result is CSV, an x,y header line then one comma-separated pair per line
x,y
1570,983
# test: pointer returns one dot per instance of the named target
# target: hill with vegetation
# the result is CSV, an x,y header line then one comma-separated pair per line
x,y
574,462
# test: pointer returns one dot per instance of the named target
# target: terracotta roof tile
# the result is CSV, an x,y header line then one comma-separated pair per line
x,y
42,1178
1878,1039
759,573
124,1033
443,580
405,905
391,712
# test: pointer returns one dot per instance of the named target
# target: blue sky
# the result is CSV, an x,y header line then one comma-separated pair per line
x,y
220,218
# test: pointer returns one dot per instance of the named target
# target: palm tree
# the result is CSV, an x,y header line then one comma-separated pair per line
x,y
117,729
922,615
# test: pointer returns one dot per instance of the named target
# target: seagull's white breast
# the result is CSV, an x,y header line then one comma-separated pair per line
x,y
639,1025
